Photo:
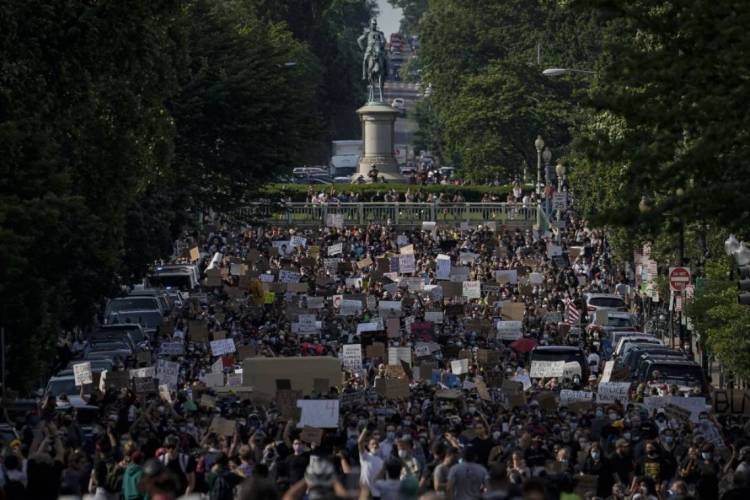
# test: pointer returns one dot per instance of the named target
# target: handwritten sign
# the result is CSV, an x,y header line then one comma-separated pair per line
x,y
406,263
352,357
509,330
472,289
443,267
173,348
82,374
568,396
609,392
546,369
336,249
398,354
168,372
335,220
460,366
222,347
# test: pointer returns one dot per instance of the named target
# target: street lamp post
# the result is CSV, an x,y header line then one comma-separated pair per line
x,y
547,157
539,145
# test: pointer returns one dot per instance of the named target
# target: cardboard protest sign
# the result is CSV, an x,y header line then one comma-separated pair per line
x,y
311,435
547,400
198,331
482,390
223,426
459,274
222,347
393,327
352,399
352,357
319,413
375,350
194,254
506,276
547,369
513,311
147,372
164,393
207,401
145,385
116,379
286,402
363,263
395,388
262,373
609,392
82,374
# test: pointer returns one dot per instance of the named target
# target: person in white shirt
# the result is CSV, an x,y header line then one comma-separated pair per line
x,y
369,461
593,361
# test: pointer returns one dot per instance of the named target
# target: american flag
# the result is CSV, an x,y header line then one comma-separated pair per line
x,y
572,314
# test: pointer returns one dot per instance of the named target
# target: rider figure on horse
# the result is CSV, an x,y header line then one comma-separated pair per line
x,y
375,63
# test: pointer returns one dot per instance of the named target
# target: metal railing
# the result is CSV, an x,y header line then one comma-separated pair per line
x,y
396,213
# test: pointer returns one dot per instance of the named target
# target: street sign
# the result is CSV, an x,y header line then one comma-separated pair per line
x,y
679,278
559,200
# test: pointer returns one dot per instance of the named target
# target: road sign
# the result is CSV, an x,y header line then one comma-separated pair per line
x,y
559,200
679,278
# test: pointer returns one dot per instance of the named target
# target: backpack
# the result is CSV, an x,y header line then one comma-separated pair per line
x,y
114,478
130,480
222,489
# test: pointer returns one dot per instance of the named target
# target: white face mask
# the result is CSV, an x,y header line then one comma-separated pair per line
x,y
403,454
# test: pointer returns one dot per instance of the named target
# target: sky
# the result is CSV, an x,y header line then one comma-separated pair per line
x,y
389,18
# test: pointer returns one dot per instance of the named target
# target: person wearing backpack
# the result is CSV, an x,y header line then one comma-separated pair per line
x,y
179,464
221,480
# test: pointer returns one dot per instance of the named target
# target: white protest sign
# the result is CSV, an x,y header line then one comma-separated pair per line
x,y
372,326
234,380
607,372
267,278
553,250
288,276
524,379
389,305
82,374
319,413
398,354
406,250
460,366
536,278
443,267
222,347
695,405
168,372
297,241
164,393
422,349
402,240
509,330
213,379
429,226
352,357
467,257
335,220
307,321
236,269
406,263
609,392
546,369
567,396
336,249
306,328
472,289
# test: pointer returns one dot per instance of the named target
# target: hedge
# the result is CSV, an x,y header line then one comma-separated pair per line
x,y
298,192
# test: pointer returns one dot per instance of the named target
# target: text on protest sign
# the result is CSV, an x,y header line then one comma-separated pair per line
x,y
460,366
547,369
335,249
167,372
609,392
352,357
82,374
398,354
472,289
222,347
567,396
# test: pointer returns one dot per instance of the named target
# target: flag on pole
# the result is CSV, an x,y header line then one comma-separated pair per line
x,y
572,314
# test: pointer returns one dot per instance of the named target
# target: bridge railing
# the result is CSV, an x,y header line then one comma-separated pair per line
x,y
395,213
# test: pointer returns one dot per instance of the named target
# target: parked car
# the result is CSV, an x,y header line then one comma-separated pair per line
x,y
604,301
132,330
688,376
645,358
125,305
308,171
111,349
182,277
622,345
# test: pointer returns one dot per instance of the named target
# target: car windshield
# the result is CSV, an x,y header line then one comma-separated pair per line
x,y
619,322
688,375
62,386
134,304
550,355
107,346
606,302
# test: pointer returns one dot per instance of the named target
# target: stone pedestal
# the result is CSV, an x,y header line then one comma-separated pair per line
x,y
378,120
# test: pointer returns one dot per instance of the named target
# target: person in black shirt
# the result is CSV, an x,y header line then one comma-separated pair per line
x,y
482,444
296,463
180,465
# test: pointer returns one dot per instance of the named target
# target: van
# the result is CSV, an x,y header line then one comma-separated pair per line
x,y
688,376
569,354
647,358
122,305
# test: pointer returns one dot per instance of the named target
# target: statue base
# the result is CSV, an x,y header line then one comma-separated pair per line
x,y
378,121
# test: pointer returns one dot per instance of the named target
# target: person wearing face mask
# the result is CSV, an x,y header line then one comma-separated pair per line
x,y
386,445
651,464
481,443
670,452
296,463
369,461
440,474
597,465
410,463
707,484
